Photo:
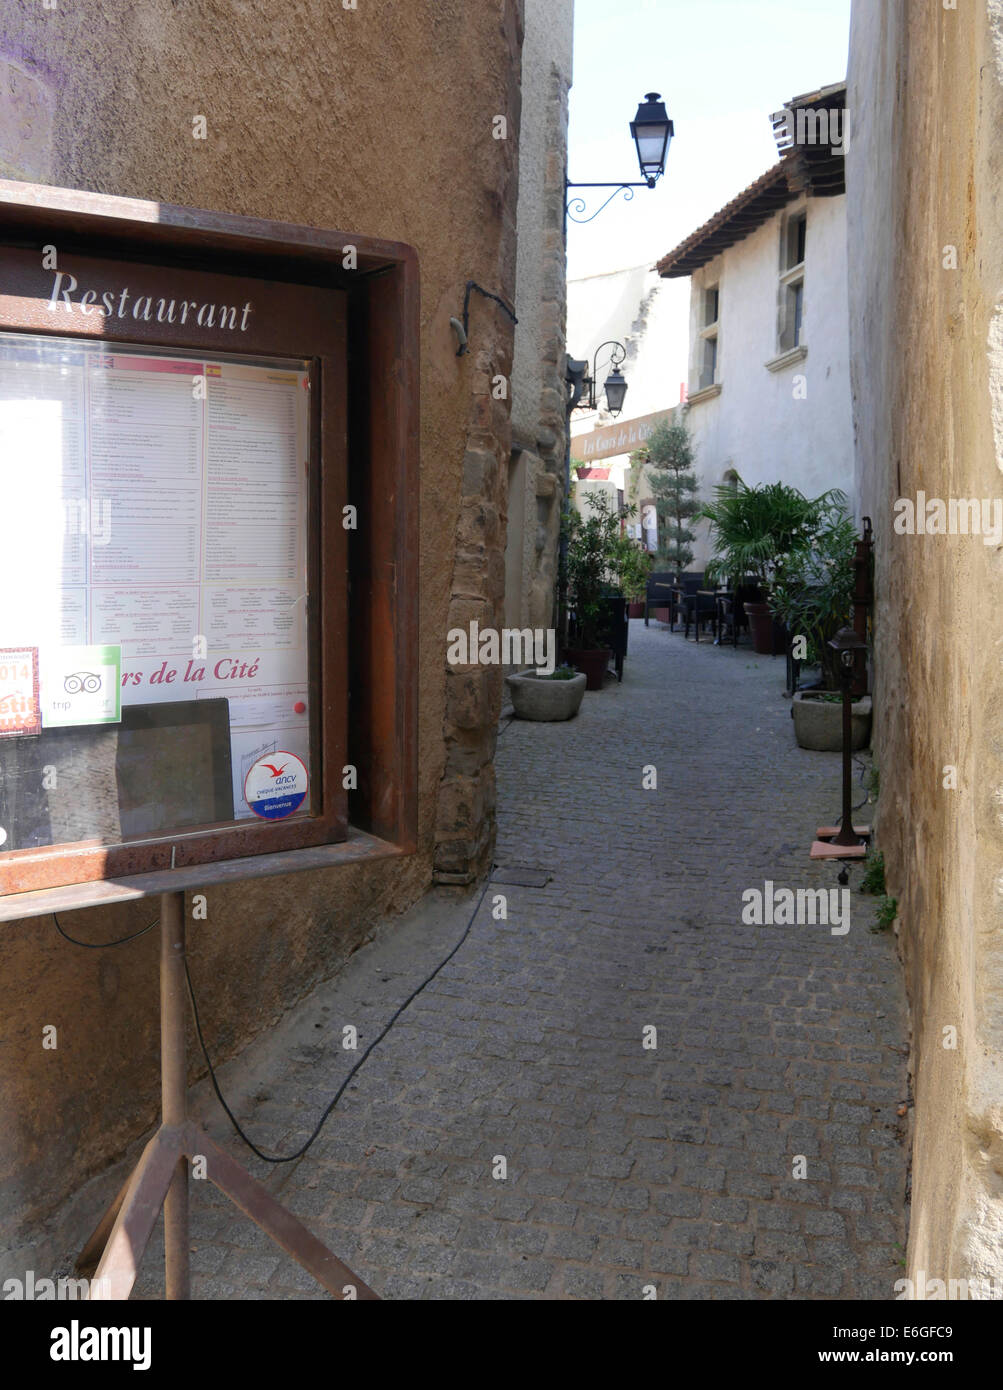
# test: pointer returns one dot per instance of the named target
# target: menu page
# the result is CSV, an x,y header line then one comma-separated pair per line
x,y
161,509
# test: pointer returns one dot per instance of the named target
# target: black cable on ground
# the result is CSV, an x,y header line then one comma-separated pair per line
x,y
864,767
99,945
289,1158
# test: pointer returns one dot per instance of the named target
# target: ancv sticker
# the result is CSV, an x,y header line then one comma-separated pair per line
x,y
276,785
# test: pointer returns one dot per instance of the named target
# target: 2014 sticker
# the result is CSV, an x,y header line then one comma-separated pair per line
x,y
20,712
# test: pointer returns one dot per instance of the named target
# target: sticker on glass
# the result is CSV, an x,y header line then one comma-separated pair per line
x,y
19,707
81,685
276,785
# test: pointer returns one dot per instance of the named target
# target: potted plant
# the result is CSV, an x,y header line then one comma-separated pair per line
x,y
674,486
759,531
595,559
546,698
814,598
631,564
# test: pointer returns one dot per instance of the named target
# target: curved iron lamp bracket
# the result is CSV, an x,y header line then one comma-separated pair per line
x,y
579,204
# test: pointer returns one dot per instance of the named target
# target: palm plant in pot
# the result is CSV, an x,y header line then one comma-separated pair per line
x,y
814,598
757,533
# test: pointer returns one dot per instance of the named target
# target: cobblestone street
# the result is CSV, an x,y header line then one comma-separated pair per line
x,y
627,1167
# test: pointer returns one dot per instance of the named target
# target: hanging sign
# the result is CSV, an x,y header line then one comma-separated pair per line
x,y
622,438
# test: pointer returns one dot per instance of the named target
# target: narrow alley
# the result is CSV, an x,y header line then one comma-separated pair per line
x,y
626,1167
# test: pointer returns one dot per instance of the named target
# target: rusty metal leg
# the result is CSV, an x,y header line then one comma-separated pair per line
x,y
174,1088
258,1203
160,1179
119,1263
87,1260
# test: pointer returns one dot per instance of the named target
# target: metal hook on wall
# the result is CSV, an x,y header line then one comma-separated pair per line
x,y
463,329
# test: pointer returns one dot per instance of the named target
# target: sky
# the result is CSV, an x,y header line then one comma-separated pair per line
x,y
722,66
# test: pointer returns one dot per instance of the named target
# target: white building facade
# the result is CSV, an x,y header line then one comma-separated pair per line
x,y
769,378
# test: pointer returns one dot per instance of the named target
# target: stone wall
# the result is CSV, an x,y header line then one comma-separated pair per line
x,y
924,176
507,536
378,118
536,468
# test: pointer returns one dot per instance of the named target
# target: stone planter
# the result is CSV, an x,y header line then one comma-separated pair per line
x,y
535,697
818,724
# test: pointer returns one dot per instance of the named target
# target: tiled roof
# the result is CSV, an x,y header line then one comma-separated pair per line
x,y
735,220
814,169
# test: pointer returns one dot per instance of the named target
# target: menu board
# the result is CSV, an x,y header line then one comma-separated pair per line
x,y
155,536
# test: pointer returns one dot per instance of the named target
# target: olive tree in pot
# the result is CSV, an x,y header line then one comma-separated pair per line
x,y
757,532
596,554
632,565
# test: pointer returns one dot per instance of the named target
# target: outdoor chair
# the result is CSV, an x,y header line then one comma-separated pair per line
x,y
702,609
732,616
693,606
618,634
661,593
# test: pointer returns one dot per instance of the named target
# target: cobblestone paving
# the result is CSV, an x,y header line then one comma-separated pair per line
x,y
626,1167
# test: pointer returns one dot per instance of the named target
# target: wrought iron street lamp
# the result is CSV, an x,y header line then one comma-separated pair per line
x,y
615,389
583,387
651,131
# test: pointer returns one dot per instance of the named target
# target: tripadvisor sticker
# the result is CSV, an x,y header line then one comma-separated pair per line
x,y
276,785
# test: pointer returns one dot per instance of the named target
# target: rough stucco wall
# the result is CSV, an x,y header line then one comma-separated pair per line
x,y
538,392
332,117
546,77
925,173
756,425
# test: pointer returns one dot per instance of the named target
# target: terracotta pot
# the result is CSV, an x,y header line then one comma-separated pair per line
x,y
592,663
761,627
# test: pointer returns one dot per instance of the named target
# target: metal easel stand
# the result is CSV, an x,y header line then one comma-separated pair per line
x,y
112,1256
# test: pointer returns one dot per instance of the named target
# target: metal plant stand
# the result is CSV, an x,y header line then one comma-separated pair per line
x,y
845,841
111,1258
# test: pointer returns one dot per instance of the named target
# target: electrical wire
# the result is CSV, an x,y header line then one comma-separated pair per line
x,y
99,945
864,767
290,1158
287,1158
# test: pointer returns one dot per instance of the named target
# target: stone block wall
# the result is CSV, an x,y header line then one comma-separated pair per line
x,y
378,118
925,240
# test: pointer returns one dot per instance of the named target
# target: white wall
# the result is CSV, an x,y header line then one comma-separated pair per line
x,y
757,426
649,316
